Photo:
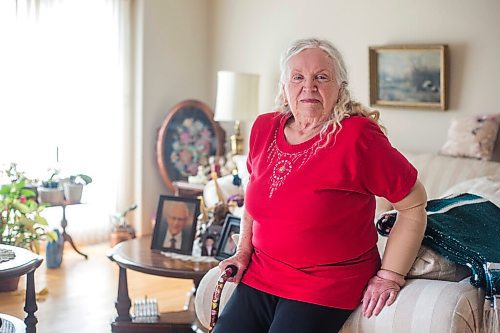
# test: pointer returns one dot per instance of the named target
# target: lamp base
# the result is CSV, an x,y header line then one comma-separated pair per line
x,y
236,144
236,140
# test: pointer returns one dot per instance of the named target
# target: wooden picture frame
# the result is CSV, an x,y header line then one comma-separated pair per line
x,y
186,139
175,224
226,246
413,76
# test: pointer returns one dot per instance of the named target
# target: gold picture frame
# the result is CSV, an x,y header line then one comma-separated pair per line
x,y
414,76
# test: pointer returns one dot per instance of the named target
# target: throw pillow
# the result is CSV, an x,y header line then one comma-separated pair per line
x,y
431,265
472,136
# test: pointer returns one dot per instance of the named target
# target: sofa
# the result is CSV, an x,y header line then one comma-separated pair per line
x,y
438,297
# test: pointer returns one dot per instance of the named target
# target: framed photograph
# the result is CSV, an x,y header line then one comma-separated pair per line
x,y
226,246
186,139
175,225
209,240
409,76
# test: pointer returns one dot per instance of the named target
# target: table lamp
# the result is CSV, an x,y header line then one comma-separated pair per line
x,y
237,100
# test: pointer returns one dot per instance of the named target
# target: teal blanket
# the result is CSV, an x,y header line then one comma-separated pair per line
x,y
466,230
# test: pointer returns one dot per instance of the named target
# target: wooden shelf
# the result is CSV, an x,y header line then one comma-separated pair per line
x,y
172,322
185,189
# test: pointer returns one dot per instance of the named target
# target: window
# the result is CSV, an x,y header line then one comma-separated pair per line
x,y
64,98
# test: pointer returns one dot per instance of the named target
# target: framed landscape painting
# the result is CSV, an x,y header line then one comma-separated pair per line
x,y
409,76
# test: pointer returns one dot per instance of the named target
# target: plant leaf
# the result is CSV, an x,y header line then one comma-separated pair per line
x,y
5,189
28,193
85,178
41,220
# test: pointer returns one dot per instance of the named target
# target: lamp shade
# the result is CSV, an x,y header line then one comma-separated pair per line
x,y
237,96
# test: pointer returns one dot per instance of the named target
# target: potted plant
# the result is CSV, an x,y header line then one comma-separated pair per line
x,y
20,221
121,230
51,191
73,188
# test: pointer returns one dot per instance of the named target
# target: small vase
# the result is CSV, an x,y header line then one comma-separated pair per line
x,y
54,251
54,196
120,234
73,192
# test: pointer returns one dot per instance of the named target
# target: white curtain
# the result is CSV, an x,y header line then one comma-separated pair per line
x,y
65,101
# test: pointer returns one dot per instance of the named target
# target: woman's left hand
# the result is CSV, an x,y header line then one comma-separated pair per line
x,y
379,293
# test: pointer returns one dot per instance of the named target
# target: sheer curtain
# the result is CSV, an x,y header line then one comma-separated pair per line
x,y
64,99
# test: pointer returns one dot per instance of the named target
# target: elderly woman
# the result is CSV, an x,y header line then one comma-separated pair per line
x,y
307,254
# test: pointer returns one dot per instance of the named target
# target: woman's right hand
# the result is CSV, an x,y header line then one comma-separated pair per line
x,y
240,259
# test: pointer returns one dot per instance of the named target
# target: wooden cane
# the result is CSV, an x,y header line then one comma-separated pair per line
x,y
230,271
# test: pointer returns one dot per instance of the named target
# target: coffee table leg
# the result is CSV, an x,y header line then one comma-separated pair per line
x,y
189,304
123,303
30,306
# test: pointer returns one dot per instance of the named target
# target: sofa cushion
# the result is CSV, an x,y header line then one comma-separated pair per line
x,y
487,187
439,173
472,136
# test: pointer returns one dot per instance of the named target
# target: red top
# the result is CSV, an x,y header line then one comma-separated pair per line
x,y
313,208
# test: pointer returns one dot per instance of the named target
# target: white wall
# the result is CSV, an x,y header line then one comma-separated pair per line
x,y
171,64
181,44
250,35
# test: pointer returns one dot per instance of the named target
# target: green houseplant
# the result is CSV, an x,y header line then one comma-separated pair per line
x,y
20,221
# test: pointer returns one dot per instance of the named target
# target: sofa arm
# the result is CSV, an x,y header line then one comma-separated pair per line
x,y
426,306
423,306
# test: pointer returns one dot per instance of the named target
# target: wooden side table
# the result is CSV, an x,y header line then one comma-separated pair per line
x,y
25,262
136,254
66,236
64,224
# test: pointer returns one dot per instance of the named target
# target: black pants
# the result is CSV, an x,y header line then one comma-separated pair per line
x,y
252,311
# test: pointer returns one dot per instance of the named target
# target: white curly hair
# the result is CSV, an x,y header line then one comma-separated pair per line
x,y
345,106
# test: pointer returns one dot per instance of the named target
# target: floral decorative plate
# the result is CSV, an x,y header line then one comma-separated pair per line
x,y
186,139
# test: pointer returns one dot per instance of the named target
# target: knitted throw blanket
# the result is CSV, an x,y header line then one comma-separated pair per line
x,y
466,230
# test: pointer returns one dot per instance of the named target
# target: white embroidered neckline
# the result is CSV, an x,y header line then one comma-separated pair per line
x,y
284,163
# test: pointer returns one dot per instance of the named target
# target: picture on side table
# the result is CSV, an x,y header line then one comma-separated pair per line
x,y
409,76
175,226
227,246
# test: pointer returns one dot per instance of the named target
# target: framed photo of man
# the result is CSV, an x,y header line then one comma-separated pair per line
x,y
175,225
227,245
